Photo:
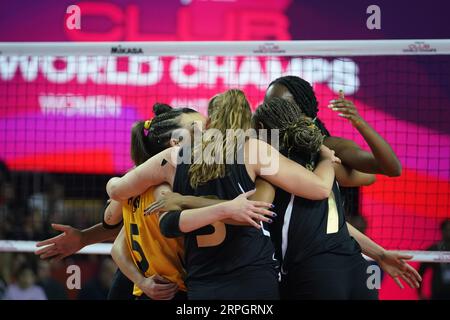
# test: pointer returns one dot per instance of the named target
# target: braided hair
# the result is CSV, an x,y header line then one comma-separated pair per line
x,y
299,135
304,97
147,142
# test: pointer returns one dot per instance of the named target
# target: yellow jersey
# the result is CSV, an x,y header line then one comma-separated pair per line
x,y
152,253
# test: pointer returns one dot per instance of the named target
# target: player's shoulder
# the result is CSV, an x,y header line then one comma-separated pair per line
x,y
170,156
253,145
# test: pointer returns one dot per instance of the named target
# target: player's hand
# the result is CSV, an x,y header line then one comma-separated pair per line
x,y
327,153
346,109
394,264
158,288
168,201
61,246
241,209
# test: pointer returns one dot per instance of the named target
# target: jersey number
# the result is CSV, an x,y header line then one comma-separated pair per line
x,y
143,263
219,234
333,217
215,238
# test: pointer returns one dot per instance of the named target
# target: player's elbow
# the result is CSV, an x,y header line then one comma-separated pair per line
x,y
322,192
396,171
371,179
112,188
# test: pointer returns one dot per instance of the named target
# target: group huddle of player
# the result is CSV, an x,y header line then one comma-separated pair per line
x,y
234,230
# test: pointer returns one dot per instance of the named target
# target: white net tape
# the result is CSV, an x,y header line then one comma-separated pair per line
x,y
105,248
232,48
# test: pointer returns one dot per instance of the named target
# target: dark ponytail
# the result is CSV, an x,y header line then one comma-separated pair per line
x,y
145,143
139,144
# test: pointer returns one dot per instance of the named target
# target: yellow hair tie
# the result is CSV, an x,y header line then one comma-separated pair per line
x,y
147,124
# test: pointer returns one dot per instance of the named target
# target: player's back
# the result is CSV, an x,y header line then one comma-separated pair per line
x,y
307,228
222,253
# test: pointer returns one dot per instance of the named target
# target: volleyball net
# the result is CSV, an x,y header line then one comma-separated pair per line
x,y
66,110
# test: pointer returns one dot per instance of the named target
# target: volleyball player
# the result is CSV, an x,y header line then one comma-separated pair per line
x,y
319,258
381,160
225,261
72,240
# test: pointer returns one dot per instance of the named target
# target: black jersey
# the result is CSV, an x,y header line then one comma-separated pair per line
x,y
221,249
305,228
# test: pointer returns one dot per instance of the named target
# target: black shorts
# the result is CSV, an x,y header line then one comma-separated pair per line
x,y
328,277
259,284
121,287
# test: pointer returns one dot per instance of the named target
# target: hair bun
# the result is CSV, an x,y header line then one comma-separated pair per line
x,y
303,135
160,108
